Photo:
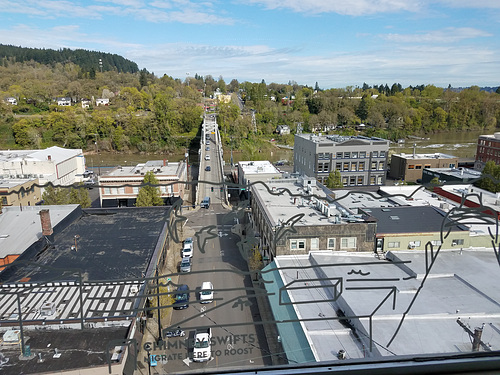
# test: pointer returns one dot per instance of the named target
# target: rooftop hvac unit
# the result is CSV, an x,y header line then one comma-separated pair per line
x,y
48,309
134,289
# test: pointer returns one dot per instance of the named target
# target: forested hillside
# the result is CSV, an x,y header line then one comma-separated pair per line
x,y
151,114
88,61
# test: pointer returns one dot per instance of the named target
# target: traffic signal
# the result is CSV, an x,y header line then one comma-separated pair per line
x,y
212,188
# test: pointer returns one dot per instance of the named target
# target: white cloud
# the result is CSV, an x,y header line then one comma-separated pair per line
x,y
477,4
343,7
446,35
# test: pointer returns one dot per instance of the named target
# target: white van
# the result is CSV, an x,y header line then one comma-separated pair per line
x,y
206,292
205,203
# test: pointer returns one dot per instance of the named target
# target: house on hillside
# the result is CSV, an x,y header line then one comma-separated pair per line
x,y
101,101
283,129
63,101
11,100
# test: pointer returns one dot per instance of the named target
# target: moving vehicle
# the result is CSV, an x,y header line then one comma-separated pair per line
x,y
206,292
208,168
181,297
207,157
205,203
202,350
186,264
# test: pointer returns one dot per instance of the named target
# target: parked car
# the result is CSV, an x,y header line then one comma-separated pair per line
x,y
186,264
187,250
181,297
206,292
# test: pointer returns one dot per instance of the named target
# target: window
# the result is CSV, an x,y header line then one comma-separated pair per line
x,y
436,243
374,165
361,166
352,180
372,180
314,243
393,245
362,154
418,166
427,166
338,166
320,167
135,189
348,243
320,155
344,181
326,167
382,154
121,190
411,166
360,180
346,166
379,180
381,166
354,155
297,244
413,244
107,191
331,243
347,155
4,200
458,241
452,165
375,154
339,155
354,166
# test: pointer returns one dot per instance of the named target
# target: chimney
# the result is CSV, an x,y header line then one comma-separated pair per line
x,y
165,162
46,224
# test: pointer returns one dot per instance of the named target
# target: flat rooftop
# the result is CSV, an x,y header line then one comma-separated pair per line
x,y
323,286
20,227
110,244
257,167
13,183
57,154
160,168
436,155
457,172
285,198
322,138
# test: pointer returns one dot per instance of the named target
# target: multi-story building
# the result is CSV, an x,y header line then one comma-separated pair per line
x,y
20,192
57,165
409,167
293,216
120,187
488,149
360,160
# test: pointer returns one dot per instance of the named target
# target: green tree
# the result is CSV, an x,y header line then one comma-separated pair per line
x,y
55,195
334,180
80,196
149,195
490,177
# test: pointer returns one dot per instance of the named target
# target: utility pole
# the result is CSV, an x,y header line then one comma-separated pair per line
x,y
476,336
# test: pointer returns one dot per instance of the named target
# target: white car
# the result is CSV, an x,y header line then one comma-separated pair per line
x,y
206,292
187,250
207,157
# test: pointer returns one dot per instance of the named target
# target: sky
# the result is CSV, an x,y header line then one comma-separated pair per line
x,y
336,43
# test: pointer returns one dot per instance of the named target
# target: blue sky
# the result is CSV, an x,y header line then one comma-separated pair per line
x,y
336,43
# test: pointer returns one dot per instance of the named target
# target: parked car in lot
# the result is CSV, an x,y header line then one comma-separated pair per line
x,y
186,264
188,240
206,292
181,298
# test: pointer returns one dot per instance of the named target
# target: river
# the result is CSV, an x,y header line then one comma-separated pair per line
x,y
461,144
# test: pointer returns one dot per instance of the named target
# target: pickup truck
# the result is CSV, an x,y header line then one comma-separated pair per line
x,y
202,351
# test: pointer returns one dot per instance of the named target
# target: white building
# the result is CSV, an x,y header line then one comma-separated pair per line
x,y
57,165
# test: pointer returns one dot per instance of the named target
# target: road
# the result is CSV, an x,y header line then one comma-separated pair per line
x,y
236,341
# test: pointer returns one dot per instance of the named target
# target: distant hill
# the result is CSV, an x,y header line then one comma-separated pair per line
x,y
87,60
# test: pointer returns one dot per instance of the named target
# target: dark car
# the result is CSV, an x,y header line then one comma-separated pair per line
x,y
181,297
208,169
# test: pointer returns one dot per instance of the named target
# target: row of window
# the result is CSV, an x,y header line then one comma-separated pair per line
x,y
135,190
351,167
352,155
345,243
419,166
355,180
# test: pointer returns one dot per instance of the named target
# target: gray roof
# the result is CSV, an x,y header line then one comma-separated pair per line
x,y
459,286
414,219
